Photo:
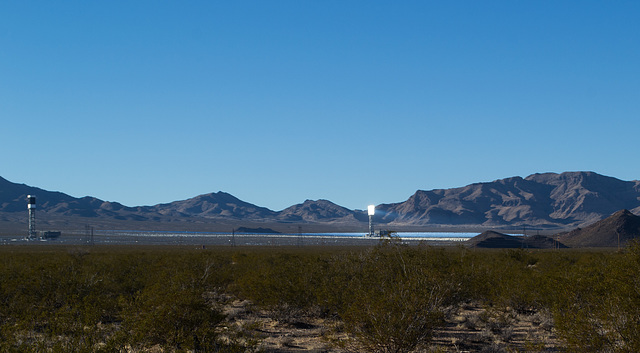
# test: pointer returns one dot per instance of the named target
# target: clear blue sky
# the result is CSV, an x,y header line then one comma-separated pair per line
x,y
275,102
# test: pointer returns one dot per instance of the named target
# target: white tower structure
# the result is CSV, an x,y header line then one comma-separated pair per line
x,y
371,210
31,206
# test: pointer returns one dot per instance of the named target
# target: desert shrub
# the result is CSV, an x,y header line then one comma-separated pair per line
x,y
392,298
172,315
285,283
172,308
598,307
470,273
80,301
56,302
517,282
388,298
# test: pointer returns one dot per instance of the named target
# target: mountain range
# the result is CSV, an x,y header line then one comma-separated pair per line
x,y
544,201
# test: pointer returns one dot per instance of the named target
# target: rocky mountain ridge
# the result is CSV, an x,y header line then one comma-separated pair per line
x,y
541,200
547,200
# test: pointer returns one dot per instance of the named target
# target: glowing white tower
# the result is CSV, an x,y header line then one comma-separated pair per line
x,y
371,210
31,206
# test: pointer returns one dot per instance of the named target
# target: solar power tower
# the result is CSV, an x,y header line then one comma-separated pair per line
x,y
31,206
371,210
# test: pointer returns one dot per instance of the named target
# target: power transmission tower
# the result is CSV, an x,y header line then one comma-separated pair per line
x,y
233,237
88,230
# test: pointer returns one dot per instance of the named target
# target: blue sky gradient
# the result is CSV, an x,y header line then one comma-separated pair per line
x,y
275,102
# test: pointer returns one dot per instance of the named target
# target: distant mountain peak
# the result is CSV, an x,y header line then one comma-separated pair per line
x,y
315,211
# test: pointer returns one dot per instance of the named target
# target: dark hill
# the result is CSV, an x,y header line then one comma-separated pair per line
x,y
13,196
495,240
618,229
256,230
214,205
542,242
317,211
491,239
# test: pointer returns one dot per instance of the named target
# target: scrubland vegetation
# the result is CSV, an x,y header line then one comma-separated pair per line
x,y
390,298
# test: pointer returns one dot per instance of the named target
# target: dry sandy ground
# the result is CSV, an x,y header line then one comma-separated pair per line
x,y
469,328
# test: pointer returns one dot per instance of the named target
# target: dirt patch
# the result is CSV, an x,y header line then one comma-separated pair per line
x,y
475,328
468,328
268,334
